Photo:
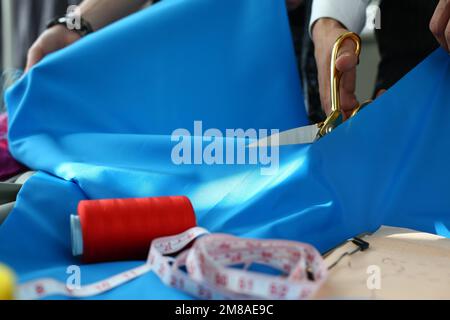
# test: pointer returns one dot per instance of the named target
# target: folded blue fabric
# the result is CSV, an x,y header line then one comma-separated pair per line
x,y
96,120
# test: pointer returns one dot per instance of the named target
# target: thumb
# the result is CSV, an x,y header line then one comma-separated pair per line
x,y
34,56
347,59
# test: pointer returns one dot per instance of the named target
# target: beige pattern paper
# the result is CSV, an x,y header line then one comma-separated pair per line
x,y
400,264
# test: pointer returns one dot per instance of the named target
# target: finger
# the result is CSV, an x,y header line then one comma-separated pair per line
x,y
35,54
439,22
346,63
323,75
347,114
347,90
347,58
380,92
325,94
447,36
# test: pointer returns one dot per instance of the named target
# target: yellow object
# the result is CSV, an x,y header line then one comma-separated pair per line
x,y
7,283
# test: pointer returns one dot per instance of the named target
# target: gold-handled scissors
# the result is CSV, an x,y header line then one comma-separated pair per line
x,y
312,133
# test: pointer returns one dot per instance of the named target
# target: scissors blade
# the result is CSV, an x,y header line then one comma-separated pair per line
x,y
302,135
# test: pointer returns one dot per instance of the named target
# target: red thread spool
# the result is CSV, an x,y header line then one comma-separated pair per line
x,y
123,229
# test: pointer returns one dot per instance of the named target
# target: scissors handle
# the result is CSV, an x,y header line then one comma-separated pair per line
x,y
335,118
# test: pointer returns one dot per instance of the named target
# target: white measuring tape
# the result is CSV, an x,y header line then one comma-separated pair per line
x,y
211,271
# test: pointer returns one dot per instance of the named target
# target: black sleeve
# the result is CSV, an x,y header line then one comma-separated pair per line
x,y
404,39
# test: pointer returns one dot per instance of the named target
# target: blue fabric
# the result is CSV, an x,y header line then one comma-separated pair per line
x,y
96,119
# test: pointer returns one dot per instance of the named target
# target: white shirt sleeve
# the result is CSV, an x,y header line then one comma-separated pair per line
x,y
351,13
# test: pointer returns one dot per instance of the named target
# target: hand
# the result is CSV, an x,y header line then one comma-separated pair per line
x,y
325,32
440,24
51,40
293,4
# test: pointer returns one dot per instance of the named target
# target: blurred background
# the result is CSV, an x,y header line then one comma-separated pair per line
x,y
22,21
